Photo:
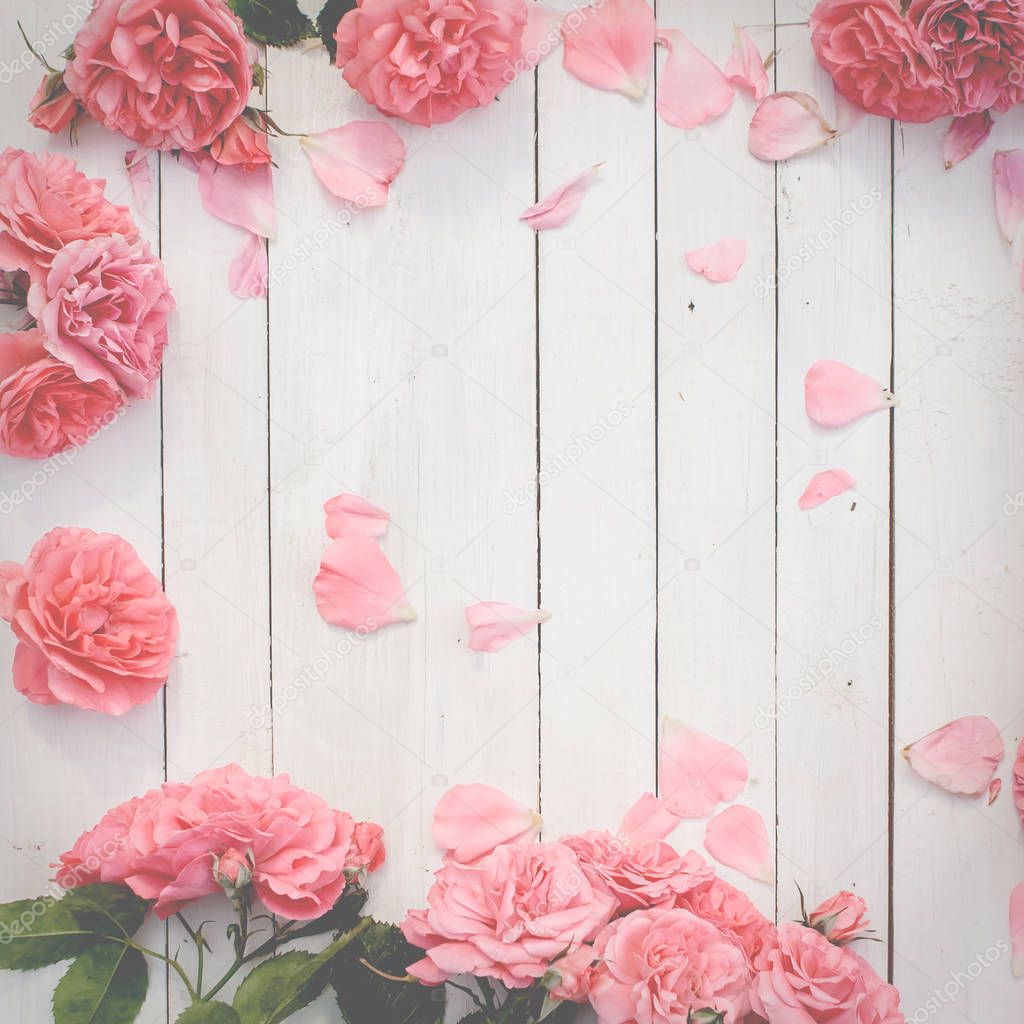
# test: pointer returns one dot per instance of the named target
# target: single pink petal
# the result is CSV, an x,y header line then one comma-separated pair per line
x,y
787,124
738,838
494,624
610,46
995,787
470,821
1018,781
745,68
692,89
961,756
649,818
247,275
348,515
236,193
138,164
541,34
696,771
357,161
358,588
836,394
1008,175
720,261
557,207
1017,930
965,135
824,486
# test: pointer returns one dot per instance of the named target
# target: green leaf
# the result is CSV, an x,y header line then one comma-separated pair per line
x,y
209,1013
105,985
279,987
276,22
327,21
109,910
36,933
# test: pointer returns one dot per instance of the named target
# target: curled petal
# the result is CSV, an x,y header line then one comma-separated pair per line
x,y
470,821
961,756
247,275
348,515
1017,930
824,486
649,818
738,838
1018,779
237,193
358,588
138,164
1008,175
788,124
836,394
965,135
995,787
494,624
745,68
696,771
610,46
357,161
692,89
557,207
720,261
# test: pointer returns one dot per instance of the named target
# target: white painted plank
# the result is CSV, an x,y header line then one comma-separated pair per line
x,y
959,556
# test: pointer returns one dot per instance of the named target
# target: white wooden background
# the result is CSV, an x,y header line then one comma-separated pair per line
x,y
438,359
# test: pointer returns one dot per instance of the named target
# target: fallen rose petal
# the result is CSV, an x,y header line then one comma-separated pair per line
x,y
692,89
247,275
357,161
836,394
236,193
738,838
1008,175
470,821
745,68
1017,930
788,124
137,162
541,33
1018,781
965,135
348,515
824,486
358,588
557,207
720,261
696,771
961,756
649,818
995,787
611,46
494,624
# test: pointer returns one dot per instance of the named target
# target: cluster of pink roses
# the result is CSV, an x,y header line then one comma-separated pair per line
x,y
97,306
227,829
623,921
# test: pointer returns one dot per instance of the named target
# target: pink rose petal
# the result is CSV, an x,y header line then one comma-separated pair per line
x,y
961,756
495,624
696,771
1017,930
1018,781
738,838
137,162
720,261
648,819
692,89
745,68
348,515
358,588
1008,175
247,275
236,193
541,34
611,46
836,394
19,348
995,787
787,124
357,161
965,135
824,486
470,821
557,207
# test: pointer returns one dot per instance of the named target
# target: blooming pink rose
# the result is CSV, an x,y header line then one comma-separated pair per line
x,y
731,911
659,966
367,850
240,143
506,916
878,60
95,629
45,408
841,918
880,1003
171,74
570,976
52,107
103,309
427,61
45,203
980,48
638,874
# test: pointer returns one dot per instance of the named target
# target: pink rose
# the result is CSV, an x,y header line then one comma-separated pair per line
x,y
881,1001
841,918
731,911
878,60
52,107
506,916
639,874
45,409
570,976
240,143
171,74
661,966
980,48
427,61
94,628
367,850
232,869
103,309
45,203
